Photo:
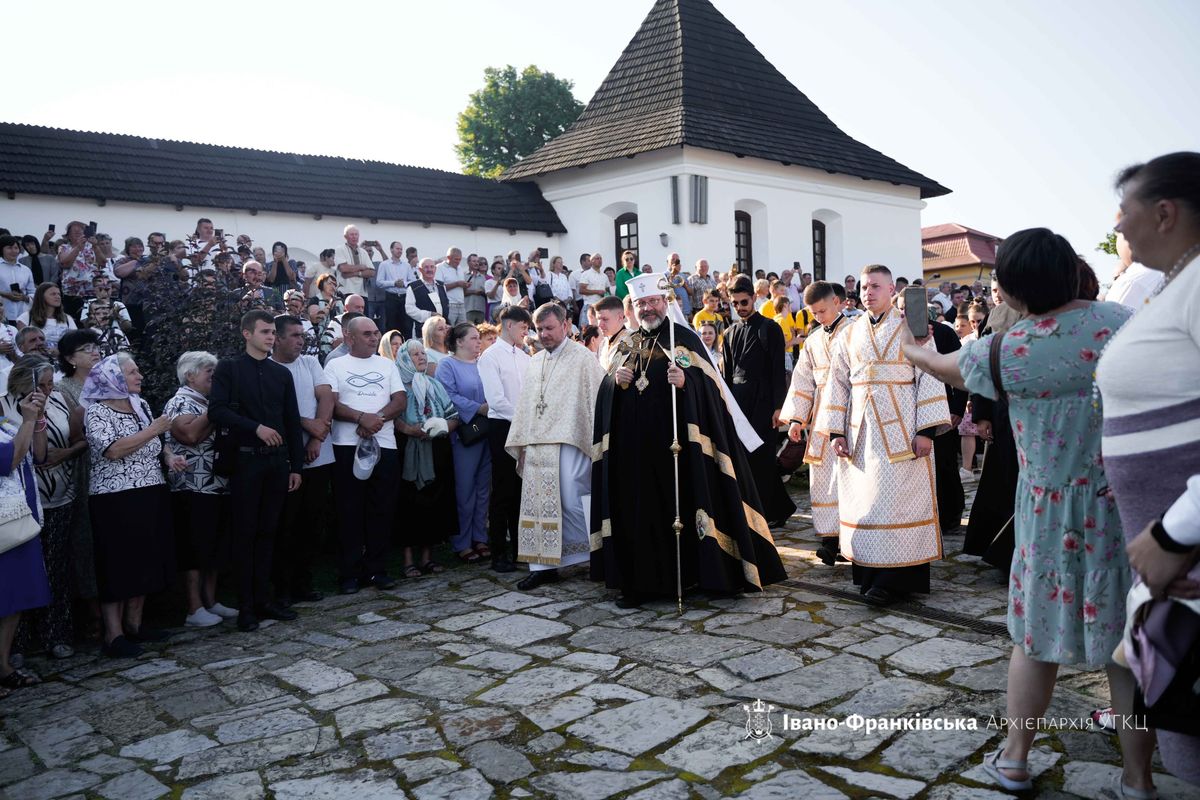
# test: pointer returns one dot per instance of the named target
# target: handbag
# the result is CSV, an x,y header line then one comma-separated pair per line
x,y
473,432
1005,541
542,294
17,523
225,446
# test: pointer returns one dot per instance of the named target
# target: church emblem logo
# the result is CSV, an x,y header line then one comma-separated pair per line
x,y
703,520
363,381
682,359
758,720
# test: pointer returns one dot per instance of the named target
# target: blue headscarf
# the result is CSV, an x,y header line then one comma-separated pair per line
x,y
427,398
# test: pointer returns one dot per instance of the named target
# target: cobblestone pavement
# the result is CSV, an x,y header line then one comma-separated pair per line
x,y
458,686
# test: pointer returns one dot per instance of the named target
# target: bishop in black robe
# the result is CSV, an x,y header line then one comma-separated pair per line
x,y
754,369
725,543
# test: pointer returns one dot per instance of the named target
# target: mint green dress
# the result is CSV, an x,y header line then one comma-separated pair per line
x,y
1069,576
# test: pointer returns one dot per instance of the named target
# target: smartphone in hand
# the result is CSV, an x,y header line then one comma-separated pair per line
x,y
51,228
916,311
90,230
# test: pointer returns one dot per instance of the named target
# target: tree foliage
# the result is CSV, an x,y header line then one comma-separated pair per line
x,y
1109,245
512,116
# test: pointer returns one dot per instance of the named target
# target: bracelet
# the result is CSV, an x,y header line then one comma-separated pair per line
x,y
40,426
1160,535
360,416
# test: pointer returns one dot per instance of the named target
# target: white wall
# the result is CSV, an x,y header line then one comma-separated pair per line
x,y
867,221
304,236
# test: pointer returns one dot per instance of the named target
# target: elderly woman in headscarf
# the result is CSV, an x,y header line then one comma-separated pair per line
x,y
52,626
129,503
23,584
427,480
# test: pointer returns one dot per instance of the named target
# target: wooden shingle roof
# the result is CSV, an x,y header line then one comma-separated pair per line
x,y
689,77
66,163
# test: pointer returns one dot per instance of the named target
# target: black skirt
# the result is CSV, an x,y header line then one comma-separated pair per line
x,y
133,542
428,516
201,530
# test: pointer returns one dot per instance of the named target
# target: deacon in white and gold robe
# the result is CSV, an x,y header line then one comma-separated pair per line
x,y
551,439
886,495
805,398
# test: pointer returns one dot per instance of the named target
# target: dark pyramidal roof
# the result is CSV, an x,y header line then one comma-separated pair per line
x,y
54,161
689,77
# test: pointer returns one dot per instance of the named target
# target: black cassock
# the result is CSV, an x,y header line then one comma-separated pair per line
x,y
947,448
726,546
754,350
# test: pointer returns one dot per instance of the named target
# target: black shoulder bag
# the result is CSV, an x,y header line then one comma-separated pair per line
x,y
225,446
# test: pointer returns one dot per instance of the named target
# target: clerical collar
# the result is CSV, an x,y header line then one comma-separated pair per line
x,y
830,328
875,320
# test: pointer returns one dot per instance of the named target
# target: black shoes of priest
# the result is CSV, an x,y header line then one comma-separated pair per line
x,y
538,578
504,565
275,611
878,596
629,601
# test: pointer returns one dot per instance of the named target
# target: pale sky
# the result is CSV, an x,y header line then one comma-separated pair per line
x,y
1025,108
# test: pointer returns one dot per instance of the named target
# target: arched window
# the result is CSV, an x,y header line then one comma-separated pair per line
x,y
743,247
625,228
819,251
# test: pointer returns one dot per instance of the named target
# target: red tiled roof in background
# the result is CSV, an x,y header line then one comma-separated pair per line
x,y
952,245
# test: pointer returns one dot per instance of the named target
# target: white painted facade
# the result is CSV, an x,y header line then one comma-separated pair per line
x,y
305,237
866,221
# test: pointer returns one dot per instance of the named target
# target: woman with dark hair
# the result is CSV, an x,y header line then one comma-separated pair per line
x,y
472,463
44,266
327,295
1148,378
51,627
78,352
47,315
1069,575
1089,284
281,271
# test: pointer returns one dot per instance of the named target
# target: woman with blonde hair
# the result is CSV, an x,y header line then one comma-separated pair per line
x,y
433,336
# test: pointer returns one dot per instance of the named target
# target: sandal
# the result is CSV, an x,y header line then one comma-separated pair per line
x,y
483,551
19,680
993,763
471,557
433,567
412,571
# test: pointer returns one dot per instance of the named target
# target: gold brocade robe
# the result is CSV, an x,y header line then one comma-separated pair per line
x,y
886,495
803,404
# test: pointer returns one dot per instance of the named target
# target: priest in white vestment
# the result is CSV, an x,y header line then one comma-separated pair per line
x,y
802,407
551,439
881,417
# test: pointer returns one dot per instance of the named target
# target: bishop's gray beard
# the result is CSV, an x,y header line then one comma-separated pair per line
x,y
650,328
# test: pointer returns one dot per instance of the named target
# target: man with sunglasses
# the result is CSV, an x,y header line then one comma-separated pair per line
x,y
754,369
629,269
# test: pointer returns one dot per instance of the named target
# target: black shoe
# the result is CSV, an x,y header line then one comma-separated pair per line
x,y
247,622
349,586
629,601
275,611
538,578
121,647
878,596
779,523
503,565
828,557
307,596
147,634
383,582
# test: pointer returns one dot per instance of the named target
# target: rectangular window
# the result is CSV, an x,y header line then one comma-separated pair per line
x,y
818,255
742,242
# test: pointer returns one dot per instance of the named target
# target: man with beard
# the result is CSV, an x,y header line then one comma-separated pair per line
x,y
551,442
802,407
754,369
881,418
725,545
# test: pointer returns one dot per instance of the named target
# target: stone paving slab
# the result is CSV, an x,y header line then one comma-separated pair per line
x,y
460,686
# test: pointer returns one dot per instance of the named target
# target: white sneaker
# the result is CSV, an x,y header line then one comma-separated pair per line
x,y
201,618
223,611
966,474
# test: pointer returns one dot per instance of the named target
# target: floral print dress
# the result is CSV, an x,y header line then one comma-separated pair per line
x,y
1066,601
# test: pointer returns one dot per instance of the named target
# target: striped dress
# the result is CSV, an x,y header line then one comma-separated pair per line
x,y
1149,377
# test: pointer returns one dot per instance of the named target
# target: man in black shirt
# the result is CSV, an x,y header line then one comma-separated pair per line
x,y
255,399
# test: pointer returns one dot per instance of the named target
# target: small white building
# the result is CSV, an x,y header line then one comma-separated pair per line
x,y
693,143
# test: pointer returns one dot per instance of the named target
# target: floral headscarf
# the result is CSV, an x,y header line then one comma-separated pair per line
x,y
427,398
106,381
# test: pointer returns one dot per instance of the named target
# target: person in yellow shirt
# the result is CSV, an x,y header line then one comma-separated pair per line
x,y
784,318
712,301
771,307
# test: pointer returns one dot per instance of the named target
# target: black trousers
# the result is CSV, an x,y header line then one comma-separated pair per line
x,y
301,532
951,499
504,504
257,491
365,512
395,318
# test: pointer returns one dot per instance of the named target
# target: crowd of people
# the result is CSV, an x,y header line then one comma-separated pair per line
x,y
404,400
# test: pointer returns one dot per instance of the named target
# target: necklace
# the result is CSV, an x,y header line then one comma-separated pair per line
x,y
541,403
1178,266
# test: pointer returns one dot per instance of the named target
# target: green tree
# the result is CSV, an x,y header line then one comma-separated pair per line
x,y
1109,245
512,116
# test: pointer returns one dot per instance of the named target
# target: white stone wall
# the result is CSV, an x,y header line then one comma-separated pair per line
x,y
304,236
867,221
